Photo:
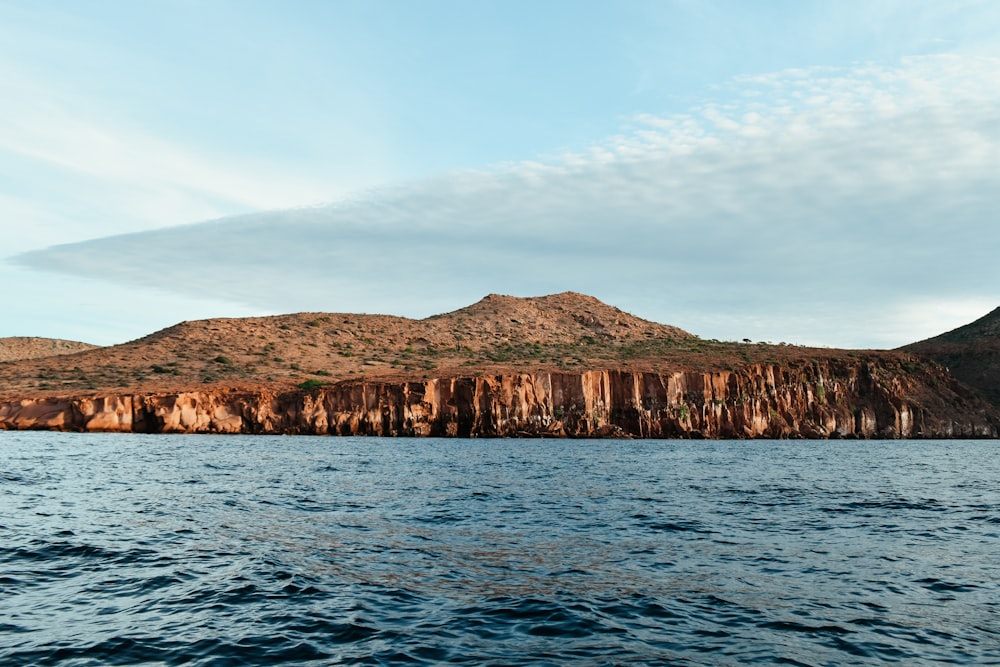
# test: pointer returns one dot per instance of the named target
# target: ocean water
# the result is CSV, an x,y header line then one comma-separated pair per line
x,y
231,550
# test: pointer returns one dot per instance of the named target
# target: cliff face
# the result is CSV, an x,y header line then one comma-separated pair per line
x,y
828,399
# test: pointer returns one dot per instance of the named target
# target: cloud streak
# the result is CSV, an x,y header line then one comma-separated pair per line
x,y
808,205
58,146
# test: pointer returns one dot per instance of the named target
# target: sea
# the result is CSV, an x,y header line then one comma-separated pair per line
x,y
259,550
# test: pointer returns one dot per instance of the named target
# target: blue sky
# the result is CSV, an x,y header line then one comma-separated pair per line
x,y
817,172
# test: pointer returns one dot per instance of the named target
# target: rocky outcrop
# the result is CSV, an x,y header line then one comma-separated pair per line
x,y
828,399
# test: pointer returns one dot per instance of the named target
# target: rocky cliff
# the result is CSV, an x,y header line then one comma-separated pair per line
x,y
831,398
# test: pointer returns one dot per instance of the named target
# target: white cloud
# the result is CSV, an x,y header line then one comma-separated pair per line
x,y
804,207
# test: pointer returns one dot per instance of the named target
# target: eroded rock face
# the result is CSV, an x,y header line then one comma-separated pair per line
x,y
819,400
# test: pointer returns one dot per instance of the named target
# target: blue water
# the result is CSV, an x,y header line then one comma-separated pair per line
x,y
202,550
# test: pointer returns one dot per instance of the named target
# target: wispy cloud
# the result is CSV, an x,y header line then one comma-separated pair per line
x,y
121,175
802,205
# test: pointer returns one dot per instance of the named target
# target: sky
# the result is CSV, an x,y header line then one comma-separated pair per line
x,y
820,173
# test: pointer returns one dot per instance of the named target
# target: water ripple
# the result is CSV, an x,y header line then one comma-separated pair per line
x,y
162,550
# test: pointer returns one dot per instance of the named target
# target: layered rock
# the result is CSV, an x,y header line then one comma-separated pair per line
x,y
836,398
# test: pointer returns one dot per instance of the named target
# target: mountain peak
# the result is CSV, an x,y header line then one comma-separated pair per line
x,y
566,315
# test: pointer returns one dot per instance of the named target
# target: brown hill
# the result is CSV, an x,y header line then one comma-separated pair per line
x,y
556,331
564,364
498,334
26,347
970,352
558,318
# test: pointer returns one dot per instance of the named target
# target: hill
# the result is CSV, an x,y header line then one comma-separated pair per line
x,y
558,365
25,347
971,352
499,333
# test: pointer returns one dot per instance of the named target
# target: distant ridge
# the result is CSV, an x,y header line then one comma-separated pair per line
x,y
14,348
971,352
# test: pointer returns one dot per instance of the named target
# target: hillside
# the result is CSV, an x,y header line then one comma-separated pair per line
x,y
499,333
561,365
15,348
970,352
560,332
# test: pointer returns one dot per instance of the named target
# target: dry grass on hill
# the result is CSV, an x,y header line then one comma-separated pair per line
x,y
570,332
15,348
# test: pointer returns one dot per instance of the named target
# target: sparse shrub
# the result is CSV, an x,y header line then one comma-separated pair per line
x,y
225,361
310,384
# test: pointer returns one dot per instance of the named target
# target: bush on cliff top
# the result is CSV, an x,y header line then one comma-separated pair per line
x,y
310,384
